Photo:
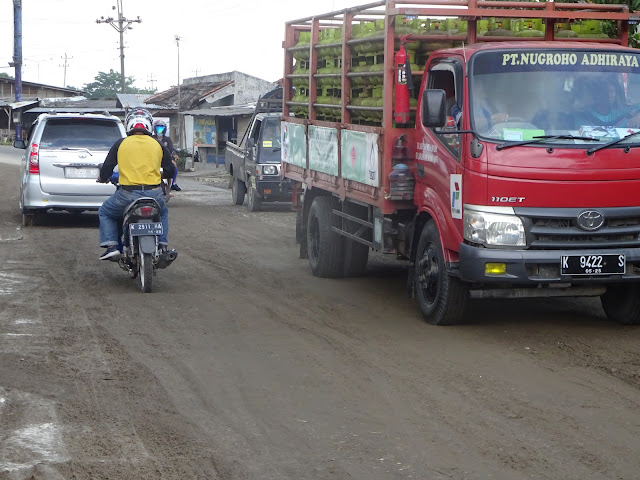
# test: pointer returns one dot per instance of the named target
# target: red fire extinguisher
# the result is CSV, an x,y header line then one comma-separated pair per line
x,y
403,83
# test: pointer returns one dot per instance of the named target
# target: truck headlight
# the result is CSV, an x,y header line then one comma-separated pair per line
x,y
269,170
493,229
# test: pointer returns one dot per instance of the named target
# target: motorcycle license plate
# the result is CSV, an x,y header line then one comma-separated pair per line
x,y
137,229
612,264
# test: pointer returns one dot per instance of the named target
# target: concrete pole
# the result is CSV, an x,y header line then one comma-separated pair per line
x,y
17,57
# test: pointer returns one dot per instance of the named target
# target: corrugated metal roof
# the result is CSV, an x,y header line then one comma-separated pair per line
x,y
134,100
190,95
16,105
228,111
112,111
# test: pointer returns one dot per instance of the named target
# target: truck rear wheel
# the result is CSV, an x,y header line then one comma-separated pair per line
x,y
356,256
442,298
254,203
621,303
238,190
325,247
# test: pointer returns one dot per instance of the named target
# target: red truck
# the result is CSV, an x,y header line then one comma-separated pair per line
x,y
510,168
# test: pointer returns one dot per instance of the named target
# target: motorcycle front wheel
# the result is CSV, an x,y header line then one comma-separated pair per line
x,y
145,265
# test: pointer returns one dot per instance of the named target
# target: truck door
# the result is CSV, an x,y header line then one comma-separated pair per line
x,y
252,146
438,153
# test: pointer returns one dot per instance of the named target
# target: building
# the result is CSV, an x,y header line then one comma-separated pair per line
x,y
12,111
213,109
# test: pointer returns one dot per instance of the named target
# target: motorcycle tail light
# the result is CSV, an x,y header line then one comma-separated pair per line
x,y
145,211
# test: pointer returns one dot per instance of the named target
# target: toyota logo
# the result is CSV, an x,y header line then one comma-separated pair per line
x,y
590,220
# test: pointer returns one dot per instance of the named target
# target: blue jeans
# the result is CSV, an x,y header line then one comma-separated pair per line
x,y
112,211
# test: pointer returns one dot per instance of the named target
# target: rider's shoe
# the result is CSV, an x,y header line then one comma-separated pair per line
x,y
111,253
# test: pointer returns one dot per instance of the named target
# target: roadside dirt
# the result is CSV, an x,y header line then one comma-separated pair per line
x,y
242,365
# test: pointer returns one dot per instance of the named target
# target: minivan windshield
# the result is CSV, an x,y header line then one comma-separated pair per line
x,y
93,134
519,95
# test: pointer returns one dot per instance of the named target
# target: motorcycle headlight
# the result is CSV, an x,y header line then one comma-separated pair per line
x,y
269,170
493,229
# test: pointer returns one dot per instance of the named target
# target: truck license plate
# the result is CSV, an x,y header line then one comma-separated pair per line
x,y
137,229
611,264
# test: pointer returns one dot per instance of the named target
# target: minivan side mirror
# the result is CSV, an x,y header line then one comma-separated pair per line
x,y
19,144
434,113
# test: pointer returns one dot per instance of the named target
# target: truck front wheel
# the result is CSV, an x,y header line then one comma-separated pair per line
x,y
442,298
254,203
621,303
325,248
238,190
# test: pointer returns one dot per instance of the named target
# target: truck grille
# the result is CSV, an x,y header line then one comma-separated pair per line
x,y
558,228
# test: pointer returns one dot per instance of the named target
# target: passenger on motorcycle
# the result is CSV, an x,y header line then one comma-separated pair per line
x,y
160,134
139,158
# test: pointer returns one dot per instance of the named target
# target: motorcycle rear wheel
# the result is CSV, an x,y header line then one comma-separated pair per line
x,y
145,265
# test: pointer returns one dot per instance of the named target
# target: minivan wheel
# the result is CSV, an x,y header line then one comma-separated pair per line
x,y
28,219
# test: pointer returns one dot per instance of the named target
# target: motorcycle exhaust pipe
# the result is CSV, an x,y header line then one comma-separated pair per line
x,y
166,258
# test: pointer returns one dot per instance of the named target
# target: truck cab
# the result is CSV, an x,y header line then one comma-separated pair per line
x,y
255,163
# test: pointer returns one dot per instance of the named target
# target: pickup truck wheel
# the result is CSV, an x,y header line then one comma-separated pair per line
x,y
621,303
325,248
254,203
238,190
442,298
356,256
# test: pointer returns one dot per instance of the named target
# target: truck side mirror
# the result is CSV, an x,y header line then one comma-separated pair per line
x,y
19,144
251,142
434,113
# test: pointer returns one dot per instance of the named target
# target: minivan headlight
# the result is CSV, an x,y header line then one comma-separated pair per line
x,y
269,170
493,229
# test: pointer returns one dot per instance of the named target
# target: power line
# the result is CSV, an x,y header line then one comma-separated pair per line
x,y
120,25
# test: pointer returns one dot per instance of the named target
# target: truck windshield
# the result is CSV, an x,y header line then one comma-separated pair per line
x,y
270,140
567,95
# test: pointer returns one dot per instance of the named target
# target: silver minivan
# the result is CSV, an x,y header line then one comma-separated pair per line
x,y
62,160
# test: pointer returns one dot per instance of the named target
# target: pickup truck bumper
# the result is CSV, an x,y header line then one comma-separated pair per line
x,y
534,267
274,190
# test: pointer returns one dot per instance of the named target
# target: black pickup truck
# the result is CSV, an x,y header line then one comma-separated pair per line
x,y
254,163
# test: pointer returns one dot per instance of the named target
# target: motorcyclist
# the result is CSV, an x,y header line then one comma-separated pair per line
x,y
160,134
139,158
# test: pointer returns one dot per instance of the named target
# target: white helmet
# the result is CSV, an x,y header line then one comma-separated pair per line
x,y
139,120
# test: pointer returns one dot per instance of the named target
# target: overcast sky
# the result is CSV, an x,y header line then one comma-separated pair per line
x,y
216,36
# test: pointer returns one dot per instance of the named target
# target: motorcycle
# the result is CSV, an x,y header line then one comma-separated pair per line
x,y
138,235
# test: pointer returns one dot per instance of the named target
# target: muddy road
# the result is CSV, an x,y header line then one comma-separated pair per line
x,y
242,365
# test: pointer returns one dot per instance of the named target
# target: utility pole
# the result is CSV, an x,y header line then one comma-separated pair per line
x,y
17,59
120,25
65,65
151,80
180,139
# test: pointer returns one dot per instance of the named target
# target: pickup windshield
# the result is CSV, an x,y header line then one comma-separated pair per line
x,y
556,96
270,141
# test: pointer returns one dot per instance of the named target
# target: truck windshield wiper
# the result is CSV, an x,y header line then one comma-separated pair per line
x,y
540,139
611,143
78,150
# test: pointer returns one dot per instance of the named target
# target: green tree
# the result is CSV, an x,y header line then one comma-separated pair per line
x,y
5,75
107,85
